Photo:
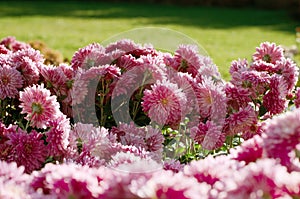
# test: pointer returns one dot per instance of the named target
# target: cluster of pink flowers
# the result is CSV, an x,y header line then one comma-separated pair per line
x,y
129,121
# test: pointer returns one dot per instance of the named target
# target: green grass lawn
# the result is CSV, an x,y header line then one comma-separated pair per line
x,y
225,33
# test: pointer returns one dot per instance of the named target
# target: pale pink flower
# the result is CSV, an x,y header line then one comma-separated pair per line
x,y
268,52
275,99
165,103
129,162
238,67
10,82
282,134
209,135
240,121
79,88
39,105
28,149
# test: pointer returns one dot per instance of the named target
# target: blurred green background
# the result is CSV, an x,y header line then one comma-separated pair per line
x,y
226,33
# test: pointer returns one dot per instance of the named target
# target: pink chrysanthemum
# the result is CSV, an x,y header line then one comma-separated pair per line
x,y
28,62
57,137
275,100
10,82
240,121
268,52
166,184
237,97
67,181
209,135
14,45
211,170
3,50
262,179
290,72
79,88
129,134
282,135
187,59
249,151
39,105
54,78
173,165
165,103
297,98
27,149
212,101
124,45
90,56
94,141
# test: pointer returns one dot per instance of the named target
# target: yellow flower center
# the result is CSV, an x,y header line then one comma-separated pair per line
x,y
164,101
36,108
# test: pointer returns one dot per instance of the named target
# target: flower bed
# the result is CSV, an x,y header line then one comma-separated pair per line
x,y
129,121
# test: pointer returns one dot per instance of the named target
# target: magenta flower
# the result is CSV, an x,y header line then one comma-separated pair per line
x,y
187,59
28,61
249,151
166,184
90,56
289,72
12,44
209,135
268,52
275,99
27,149
10,82
124,45
39,105
57,137
240,121
165,103
67,181
297,98
282,135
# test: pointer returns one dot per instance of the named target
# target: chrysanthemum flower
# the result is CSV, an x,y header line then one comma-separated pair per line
x,y
249,151
297,98
57,137
165,103
39,105
14,45
290,72
268,52
240,121
124,45
209,135
28,61
282,135
67,181
187,59
212,101
173,165
166,184
10,82
90,56
54,78
95,141
237,97
262,179
275,99
27,149
3,50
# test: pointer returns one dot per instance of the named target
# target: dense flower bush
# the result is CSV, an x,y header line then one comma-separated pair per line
x,y
129,121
